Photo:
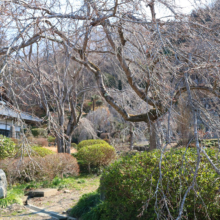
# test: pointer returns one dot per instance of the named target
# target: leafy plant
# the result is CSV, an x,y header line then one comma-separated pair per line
x,y
85,204
13,196
90,142
129,186
7,147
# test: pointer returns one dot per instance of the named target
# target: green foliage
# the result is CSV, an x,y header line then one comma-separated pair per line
x,y
86,143
129,186
16,192
74,145
98,154
13,196
35,151
51,139
39,132
85,204
90,103
210,142
7,147
41,151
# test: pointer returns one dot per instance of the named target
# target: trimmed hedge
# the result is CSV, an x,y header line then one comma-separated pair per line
x,y
86,143
97,155
129,186
39,132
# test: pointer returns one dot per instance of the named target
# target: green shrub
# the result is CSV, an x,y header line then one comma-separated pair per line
x,y
7,147
85,204
86,143
41,151
129,186
39,132
51,139
37,151
74,145
98,155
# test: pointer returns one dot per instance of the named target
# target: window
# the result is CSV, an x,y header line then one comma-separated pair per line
x,y
4,132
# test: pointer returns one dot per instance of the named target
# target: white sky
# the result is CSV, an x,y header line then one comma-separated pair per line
x,y
184,6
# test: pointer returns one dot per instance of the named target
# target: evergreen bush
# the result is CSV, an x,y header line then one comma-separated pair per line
x,y
129,186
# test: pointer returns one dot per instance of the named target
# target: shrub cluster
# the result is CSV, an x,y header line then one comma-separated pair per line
x,y
86,143
130,187
7,147
39,168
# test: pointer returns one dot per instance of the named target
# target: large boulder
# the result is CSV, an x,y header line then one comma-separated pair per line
x,y
3,184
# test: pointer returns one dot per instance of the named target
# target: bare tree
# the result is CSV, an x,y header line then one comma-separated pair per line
x,y
160,60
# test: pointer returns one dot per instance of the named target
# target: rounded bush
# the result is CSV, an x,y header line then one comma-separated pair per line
x,y
131,188
86,143
7,147
98,155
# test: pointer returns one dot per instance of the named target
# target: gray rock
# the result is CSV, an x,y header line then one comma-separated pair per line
x,y
3,184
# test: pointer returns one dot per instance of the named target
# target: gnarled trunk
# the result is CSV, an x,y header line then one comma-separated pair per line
x,y
155,136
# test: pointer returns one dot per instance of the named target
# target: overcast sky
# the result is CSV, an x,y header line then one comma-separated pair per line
x,y
184,6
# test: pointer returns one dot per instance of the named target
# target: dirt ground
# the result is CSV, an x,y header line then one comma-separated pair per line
x,y
60,203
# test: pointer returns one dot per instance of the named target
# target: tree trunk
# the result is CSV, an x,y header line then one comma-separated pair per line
x,y
60,144
68,146
131,137
155,137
